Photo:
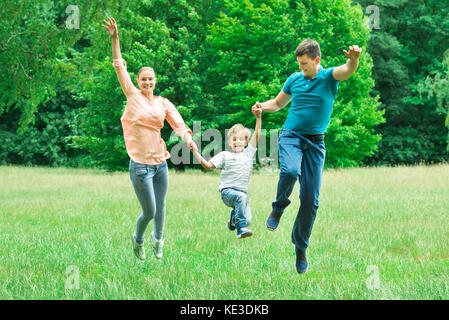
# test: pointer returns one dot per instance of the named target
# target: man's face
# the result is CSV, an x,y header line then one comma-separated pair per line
x,y
308,66
238,142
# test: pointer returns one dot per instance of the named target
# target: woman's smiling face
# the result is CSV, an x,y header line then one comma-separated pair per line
x,y
146,80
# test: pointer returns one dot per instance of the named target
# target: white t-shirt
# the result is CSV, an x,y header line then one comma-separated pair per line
x,y
236,168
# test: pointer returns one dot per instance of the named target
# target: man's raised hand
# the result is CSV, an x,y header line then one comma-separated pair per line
x,y
353,53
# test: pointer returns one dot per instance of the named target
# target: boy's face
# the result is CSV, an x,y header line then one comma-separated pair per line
x,y
238,142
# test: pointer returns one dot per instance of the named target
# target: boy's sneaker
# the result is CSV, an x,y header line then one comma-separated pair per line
x,y
231,225
157,246
301,260
273,220
244,233
138,248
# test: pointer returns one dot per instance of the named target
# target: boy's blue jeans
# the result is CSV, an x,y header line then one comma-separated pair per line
x,y
150,183
304,160
238,200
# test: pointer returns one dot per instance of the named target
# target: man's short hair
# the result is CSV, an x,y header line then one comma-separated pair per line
x,y
309,47
238,129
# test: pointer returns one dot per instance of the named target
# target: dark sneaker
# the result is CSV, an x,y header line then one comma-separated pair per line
x,y
301,260
244,233
273,220
231,225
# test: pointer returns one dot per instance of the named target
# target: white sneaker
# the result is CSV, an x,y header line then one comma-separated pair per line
x,y
138,248
157,246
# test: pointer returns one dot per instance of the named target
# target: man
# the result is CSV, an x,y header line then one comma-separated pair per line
x,y
301,139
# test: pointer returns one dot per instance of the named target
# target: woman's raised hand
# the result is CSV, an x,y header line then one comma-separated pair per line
x,y
111,26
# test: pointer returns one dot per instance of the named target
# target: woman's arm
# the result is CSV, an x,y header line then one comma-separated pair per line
x,y
111,26
206,164
118,63
177,122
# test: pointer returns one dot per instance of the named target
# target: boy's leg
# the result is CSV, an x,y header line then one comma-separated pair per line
x,y
248,215
237,200
231,222
310,183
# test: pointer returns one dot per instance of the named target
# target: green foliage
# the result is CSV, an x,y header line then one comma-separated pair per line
x,y
213,60
253,44
33,34
437,88
407,48
164,35
45,142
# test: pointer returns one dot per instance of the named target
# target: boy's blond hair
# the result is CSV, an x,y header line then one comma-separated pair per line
x,y
238,129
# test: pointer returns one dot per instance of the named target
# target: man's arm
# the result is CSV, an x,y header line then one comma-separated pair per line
x,y
274,105
343,72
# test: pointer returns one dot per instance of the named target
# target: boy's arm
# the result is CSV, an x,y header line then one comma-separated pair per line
x,y
206,164
255,138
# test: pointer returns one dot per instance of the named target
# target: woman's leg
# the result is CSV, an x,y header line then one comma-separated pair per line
x,y
142,179
160,186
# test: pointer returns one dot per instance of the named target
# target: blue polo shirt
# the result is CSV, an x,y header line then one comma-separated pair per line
x,y
312,101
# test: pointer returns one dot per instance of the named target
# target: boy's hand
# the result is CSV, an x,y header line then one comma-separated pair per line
x,y
111,26
257,109
193,147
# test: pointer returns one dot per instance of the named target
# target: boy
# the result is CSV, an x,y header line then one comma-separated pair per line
x,y
236,169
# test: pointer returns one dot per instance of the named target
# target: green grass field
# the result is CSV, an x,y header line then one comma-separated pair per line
x,y
380,233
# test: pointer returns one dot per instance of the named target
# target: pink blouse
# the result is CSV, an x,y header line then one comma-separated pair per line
x,y
142,122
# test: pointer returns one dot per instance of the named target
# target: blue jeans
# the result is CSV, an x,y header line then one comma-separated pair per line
x,y
304,160
238,200
150,183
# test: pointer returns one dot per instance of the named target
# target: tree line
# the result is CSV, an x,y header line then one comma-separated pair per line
x,y
61,103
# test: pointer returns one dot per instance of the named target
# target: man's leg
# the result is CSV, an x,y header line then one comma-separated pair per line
x,y
290,156
310,183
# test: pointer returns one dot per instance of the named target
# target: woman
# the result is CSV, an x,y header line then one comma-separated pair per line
x,y
142,121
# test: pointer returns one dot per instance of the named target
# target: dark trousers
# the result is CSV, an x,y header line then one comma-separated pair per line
x,y
300,159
